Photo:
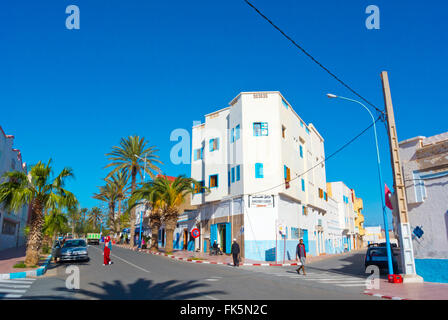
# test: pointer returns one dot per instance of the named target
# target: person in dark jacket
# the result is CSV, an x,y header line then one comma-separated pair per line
x,y
235,253
301,254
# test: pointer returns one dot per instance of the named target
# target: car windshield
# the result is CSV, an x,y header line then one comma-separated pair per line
x,y
378,252
74,243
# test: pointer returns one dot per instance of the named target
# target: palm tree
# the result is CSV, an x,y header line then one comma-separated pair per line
x,y
108,194
119,182
130,156
42,193
74,217
83,218
95,215
151,198
55,222
171,196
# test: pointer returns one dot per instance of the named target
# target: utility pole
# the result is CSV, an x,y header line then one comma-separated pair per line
x,y
400,211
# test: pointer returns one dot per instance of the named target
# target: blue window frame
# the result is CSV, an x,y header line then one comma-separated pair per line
x,y
259,170
301,151
238,173
232,135
199,188
301,124
233,174
214,144
198,153
303,185
284,103
260,129
237,132
228,178
307,130
213,181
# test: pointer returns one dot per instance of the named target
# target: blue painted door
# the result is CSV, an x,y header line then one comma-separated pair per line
x,y
213,234
228,237
305,240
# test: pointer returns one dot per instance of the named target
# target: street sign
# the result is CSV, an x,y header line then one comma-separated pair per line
x,y
261,201
195,233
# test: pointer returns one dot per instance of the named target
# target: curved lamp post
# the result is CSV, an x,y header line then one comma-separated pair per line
x,y
386,227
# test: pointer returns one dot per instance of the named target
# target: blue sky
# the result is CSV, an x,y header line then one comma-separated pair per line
x,y
148,67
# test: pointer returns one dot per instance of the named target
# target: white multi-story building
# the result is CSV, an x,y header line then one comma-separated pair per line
x,y
12,224
333,230
343,196
264,169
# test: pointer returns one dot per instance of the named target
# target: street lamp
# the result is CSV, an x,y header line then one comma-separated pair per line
x,y
386,227
141,213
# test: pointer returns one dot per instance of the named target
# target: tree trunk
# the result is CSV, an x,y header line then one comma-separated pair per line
x,y
132,218
155,226
112,216
170,226
35,236
119,216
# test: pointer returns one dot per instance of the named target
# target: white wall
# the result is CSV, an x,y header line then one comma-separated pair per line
x,y
11,160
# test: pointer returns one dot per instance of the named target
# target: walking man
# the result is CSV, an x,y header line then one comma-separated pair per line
x,y
301,254
235,253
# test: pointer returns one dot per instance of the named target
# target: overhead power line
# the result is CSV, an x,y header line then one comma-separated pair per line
x,y
312,58
326,159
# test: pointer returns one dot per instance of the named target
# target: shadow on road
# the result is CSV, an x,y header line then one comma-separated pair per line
x,y
348,265
142,289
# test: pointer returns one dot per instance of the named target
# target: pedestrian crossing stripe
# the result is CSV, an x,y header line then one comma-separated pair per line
x,y
13,286
11,290
10,295
14,289
30,281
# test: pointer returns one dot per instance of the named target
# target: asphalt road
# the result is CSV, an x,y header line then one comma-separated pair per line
x,y
136,275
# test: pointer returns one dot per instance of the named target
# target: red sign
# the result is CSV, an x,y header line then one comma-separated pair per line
x,y
195,233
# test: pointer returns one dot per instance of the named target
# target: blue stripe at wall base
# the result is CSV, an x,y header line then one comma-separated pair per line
x,y
17,275
432,270
264,250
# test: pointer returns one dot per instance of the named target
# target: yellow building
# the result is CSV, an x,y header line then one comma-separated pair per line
x,y
359,221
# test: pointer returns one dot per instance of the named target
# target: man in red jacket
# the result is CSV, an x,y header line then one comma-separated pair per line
x,y
301,254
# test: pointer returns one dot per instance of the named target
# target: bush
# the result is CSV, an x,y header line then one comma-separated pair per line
x,y
22,264
46,249
144,246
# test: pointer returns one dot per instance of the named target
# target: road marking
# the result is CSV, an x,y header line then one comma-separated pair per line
x,y
327,279
206,295
352,285
17,281
10,295
13,286
135,266
12,290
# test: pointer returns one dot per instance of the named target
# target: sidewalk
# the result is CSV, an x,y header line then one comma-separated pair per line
x,y
410,291
12,256
201,257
